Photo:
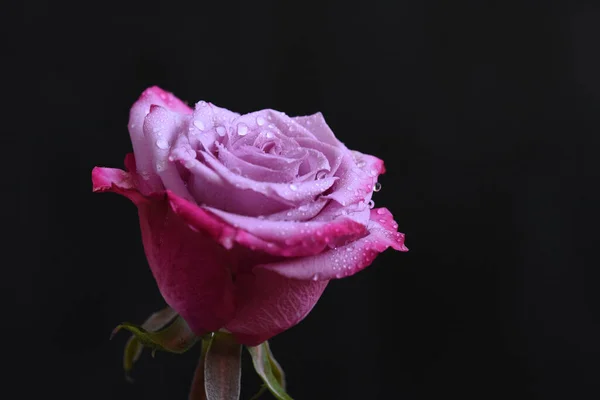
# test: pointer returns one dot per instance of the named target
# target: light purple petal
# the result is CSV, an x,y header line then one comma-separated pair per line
x,y
317,126
161,128
349,259
142,148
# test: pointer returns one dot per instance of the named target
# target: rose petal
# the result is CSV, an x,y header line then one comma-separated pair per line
x,y
303,212
317,126
210,189
115,180
190,268
291,194
141,146
257,157
345,260
291,238
162,128
270,305
356,181
203,296
257,172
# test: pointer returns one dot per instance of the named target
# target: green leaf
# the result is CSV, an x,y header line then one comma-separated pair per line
x,y
222,367
269,370
134,347
176,337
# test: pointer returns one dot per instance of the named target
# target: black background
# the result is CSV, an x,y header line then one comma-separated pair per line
x,y
486,114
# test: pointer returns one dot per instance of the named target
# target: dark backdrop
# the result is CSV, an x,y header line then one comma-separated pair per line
x,y
487,117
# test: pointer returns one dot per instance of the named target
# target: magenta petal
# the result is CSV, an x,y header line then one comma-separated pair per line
x,y
189,268
188,265
270,305
115,180
349,259
291,238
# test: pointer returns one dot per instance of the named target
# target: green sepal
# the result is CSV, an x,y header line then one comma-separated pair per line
x,y
163,330
269,370
134,347
222,367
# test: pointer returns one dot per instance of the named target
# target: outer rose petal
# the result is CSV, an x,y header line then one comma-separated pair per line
x,y
270,304
346,260
190,268
281,238
141,146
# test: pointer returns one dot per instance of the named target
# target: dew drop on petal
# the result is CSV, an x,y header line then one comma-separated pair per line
x,y
360,164
321,175
221,131
199,124
371,204
373,172
315,277
293,187
242,130
162,144
377,187
160,166
380,211
260,121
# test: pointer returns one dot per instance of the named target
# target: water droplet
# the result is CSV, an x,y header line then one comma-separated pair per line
x,y
202,103
377,187
242,130
373,172
199,124
162,144
321,175
289,213
260,121
221,131
360,164
303,207
160,166
315,277
380,211
308,122
381,220
236,170
395,225
293,187
371,204
349,248
268,134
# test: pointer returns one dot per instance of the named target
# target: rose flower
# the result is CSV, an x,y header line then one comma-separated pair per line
x,y
246,218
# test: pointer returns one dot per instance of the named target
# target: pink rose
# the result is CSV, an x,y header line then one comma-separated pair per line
x,y
245,218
